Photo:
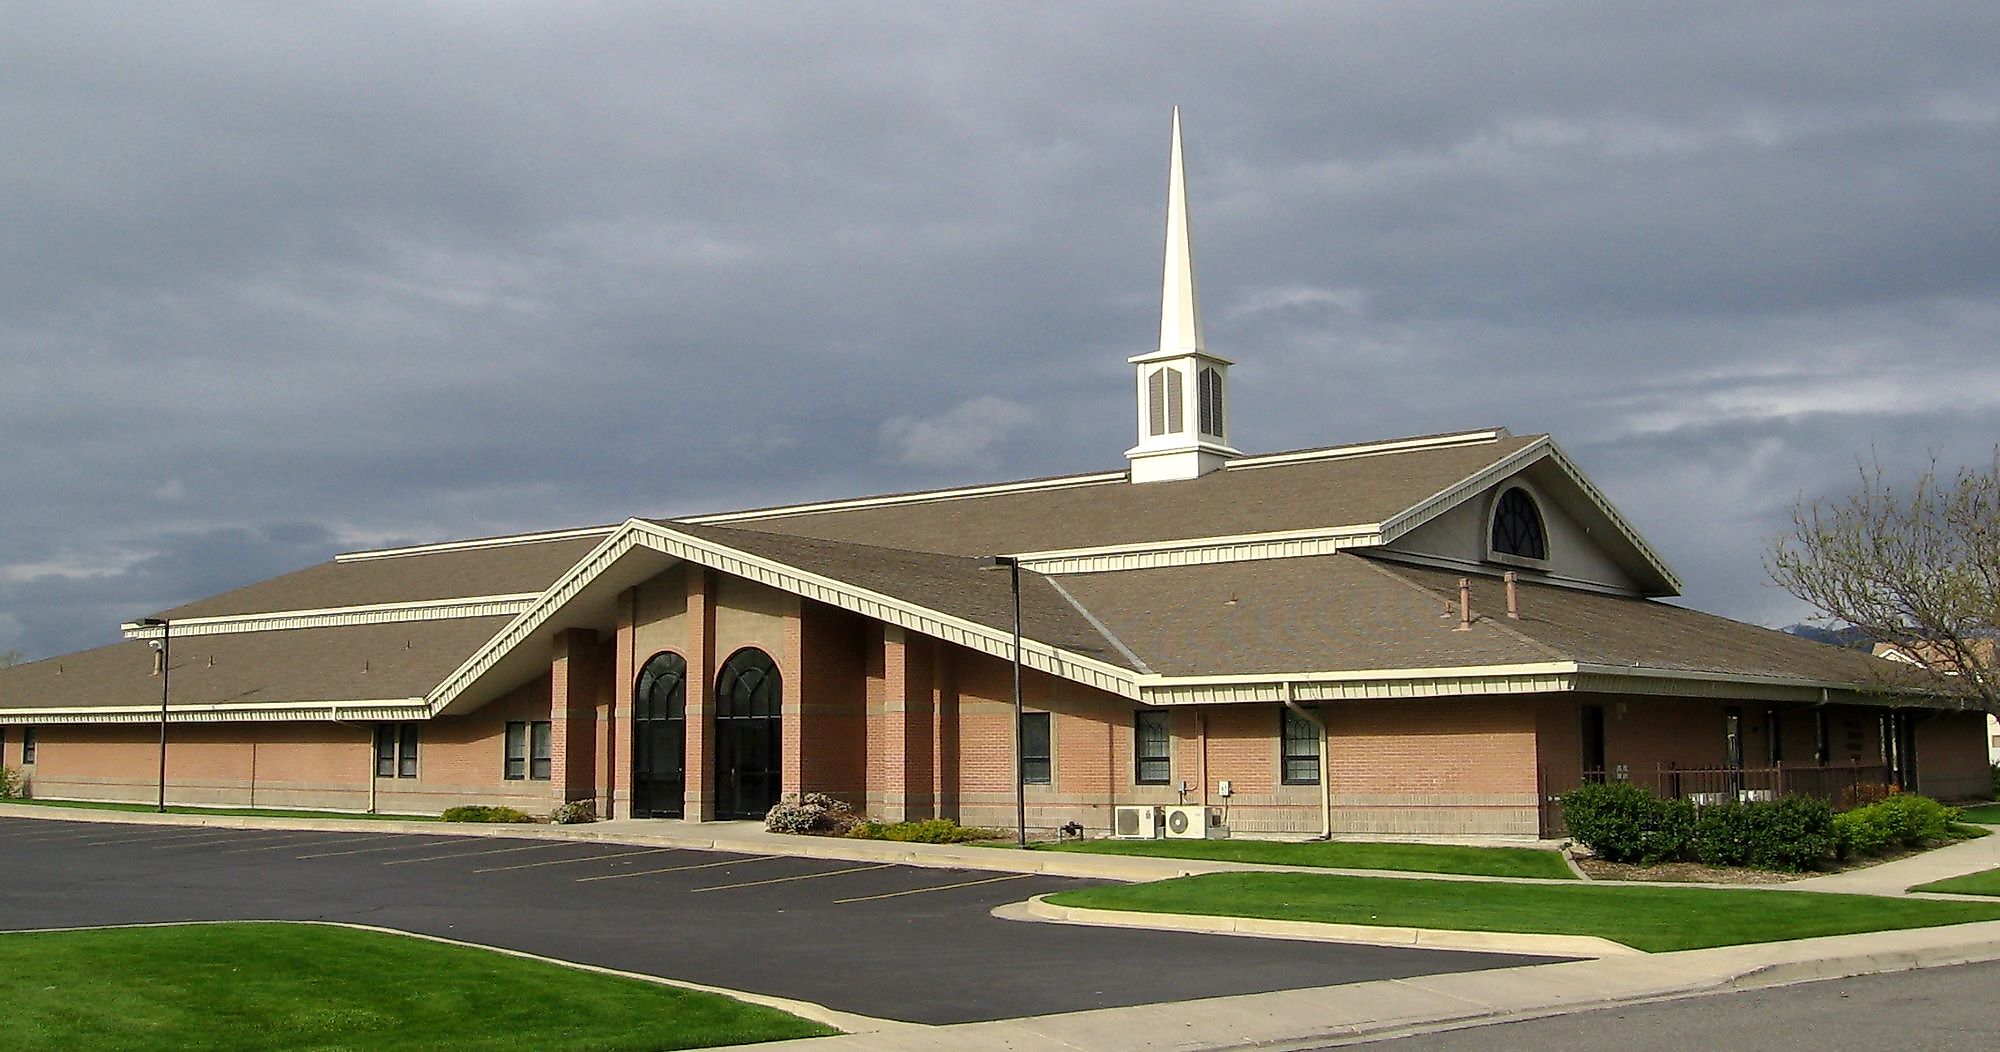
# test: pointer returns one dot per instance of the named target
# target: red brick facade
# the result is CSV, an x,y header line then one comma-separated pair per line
x,y
908,726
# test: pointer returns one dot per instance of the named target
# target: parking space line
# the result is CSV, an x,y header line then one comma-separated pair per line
x,y
940,887
798,876
179,835
311,841
70,834
367,850
486,851
585,858
678,869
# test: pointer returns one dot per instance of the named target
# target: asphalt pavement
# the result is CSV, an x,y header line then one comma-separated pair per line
x,y
873,938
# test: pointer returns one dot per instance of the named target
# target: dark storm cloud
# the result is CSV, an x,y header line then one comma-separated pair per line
x,y
409,272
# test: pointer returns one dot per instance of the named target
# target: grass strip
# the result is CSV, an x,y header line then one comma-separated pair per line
x,y
1985,883
297,986
248,812
1410,858
1984,814
1645,918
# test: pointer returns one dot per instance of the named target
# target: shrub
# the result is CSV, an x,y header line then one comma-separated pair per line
x,y
927,831
1996,781
1861,794
576,812
1901,820
10,784
484,813
809,813
1794,833
1621,822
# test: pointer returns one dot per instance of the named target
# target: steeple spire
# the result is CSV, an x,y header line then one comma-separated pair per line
x,y
1183,390
1180,311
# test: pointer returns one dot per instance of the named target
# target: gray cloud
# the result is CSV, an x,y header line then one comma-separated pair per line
x,y
412,272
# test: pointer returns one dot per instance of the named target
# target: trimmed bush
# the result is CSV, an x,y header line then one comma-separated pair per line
x,y
1901,820
1621,822
927,831
10,784
576,812
1795,833
809,813
484,813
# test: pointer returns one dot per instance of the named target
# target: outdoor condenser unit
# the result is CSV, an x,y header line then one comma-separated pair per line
x,y
1135,823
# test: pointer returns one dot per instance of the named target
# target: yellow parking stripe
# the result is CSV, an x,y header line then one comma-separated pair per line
x,y
311,841
179,835
367,850
800,876
678,869
940,887
467,854
586,858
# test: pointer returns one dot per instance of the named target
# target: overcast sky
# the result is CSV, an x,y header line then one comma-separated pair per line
x,y
283,279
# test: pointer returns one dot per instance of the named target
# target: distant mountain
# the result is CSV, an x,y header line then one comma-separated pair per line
x,y
1850,637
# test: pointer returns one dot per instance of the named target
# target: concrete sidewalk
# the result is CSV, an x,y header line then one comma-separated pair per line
x,y
1898,877
1393,1008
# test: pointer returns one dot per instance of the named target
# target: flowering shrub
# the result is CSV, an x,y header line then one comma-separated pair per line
x,y
809,813
10,783
575,812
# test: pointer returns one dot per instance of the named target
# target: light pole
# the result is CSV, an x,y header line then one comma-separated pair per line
x,y
166,647
1020,791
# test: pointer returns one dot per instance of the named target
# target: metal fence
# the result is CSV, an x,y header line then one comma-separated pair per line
x,y
1842,786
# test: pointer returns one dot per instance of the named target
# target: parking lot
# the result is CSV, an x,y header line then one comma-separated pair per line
x,y
880,939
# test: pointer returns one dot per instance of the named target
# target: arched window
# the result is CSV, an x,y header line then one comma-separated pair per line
x,y
748,685
1163,402
659,737
1208,394
1517,526
749,747
662,690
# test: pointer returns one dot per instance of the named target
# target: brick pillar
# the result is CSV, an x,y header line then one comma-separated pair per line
x,y
905,726
614,735
572,715
791,707
700,654
876,703
944,733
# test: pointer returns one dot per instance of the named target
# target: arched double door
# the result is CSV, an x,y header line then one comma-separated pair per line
x,y
749,696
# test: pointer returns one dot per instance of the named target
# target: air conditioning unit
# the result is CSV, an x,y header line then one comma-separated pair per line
x,y
1194,822
1135,823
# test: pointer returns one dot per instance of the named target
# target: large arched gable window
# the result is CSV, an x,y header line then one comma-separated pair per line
x,y
1518,529
661,693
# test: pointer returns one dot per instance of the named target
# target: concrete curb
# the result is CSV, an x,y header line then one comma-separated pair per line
x,y
1039,908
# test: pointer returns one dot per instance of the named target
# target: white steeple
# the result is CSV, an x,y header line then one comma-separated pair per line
x,y
1183,390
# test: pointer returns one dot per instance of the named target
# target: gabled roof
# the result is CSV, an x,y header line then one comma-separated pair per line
x,y
377,671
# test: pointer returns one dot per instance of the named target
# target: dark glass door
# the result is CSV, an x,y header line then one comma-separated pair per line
x,y
748,758
659,738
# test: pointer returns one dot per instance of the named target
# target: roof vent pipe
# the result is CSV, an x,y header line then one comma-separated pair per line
x,y
1513,594
1464,604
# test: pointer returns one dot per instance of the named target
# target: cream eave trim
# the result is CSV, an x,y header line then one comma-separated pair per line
x,y
226,712
340,616
1474,566
475,545
1369,449
910,616
1748,680
925,497
1282,544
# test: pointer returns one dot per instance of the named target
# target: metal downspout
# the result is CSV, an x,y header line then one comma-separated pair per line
x,y
1325,765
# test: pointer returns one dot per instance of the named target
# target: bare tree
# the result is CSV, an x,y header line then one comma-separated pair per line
x,y
1916,567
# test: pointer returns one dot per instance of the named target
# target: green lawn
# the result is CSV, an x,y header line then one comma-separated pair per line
x,y
1986,883
1415,858
1645,918
297,986
177,809
1984,814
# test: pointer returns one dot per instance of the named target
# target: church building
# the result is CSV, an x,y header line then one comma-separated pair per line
x,y
1420,636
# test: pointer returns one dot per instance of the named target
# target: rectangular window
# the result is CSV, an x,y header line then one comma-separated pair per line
x,y
541,747
1152,747
395,750
1732,738
1035,751
1301,749
515,765
1822,740
27,746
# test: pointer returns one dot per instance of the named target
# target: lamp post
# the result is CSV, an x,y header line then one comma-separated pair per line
x,y
166,647
1020,791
